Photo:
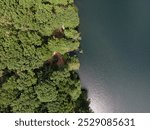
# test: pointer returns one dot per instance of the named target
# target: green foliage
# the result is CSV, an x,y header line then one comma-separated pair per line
x,y
67,82
27,102
30,81
62,104
46,92
30,38
23,28
4,109
67,17
73,63
21,82
7,96
59,2
1,73
22,53
63,45
26,91
72,34
82,104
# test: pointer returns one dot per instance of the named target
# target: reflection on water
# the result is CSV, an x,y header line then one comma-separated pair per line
x,y
115,66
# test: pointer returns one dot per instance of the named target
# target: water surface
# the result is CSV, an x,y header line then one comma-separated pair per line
x,y
115,66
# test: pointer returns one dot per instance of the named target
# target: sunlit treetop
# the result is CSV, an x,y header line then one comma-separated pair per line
x,y
27,29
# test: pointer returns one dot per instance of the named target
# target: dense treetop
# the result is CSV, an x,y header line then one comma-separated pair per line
x,y
32,77
26,31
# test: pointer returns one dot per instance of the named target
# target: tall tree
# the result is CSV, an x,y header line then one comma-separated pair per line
x,y
30,32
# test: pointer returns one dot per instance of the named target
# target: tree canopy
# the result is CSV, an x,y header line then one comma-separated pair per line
x,y
30,78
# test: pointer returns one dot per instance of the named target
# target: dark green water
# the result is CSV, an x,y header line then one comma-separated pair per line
x,y
115,66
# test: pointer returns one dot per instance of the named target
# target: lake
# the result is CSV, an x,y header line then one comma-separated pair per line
x,y
115,65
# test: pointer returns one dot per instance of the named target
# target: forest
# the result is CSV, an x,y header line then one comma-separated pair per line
x,y
39,41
